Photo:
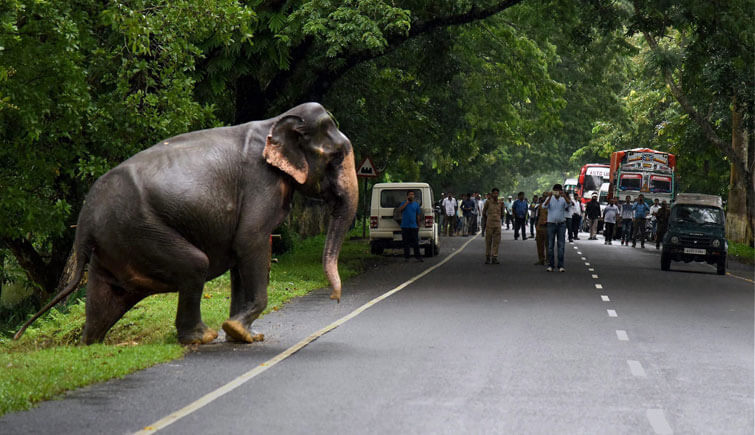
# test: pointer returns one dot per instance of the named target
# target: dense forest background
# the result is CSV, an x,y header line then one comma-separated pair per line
x,y
463,94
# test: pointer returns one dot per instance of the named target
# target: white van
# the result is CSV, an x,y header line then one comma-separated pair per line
x,y
385,232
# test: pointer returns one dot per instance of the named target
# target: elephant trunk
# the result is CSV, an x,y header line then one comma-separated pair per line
x,y
343,212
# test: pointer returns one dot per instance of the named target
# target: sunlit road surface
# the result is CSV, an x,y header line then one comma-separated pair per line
x,y
613,345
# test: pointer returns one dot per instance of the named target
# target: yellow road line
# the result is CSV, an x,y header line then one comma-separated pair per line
x,y
246,377
740,277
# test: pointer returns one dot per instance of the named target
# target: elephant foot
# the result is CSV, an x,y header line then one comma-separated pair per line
x,y
236,332
199,337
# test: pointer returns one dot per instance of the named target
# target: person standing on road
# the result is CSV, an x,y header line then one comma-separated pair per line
x,y
478,212
626,221
653,210
593,213
568,214
519,208
609,217
641,211
542,230
492,214
557,207
467,207
662,217
410,220
533,214
449,209
576,217
509,215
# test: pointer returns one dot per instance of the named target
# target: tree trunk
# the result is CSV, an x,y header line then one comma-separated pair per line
x,y
739,217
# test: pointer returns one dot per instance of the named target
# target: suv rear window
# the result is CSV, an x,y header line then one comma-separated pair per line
x,y
394,197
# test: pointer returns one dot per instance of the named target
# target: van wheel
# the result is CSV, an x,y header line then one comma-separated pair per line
x,y
665,261
721,266
376,249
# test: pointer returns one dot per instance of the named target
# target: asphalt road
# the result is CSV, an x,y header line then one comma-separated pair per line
x,y
613,346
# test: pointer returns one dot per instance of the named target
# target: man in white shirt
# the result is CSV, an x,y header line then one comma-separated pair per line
x,y
653,210
449,206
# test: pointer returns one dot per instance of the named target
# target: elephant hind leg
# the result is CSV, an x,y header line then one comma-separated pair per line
x,y
105,305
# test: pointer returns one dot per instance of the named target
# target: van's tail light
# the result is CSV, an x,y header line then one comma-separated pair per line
x,y
428,221
373,222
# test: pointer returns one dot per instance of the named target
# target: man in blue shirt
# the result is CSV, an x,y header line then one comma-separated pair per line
x,y
641,210
519,208
556,204
410,220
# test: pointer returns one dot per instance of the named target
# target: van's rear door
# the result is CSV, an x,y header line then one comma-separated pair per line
x,y
390,199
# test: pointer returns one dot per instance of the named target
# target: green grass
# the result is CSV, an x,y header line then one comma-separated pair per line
x,y
742,252
47,361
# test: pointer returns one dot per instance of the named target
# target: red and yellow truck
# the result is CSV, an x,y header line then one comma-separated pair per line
x,y
642,171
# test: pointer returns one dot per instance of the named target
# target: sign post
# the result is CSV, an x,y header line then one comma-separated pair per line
x,y
366,170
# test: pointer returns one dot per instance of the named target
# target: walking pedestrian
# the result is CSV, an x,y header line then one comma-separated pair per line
x,y
410,220
542,230
509,214
449,205
568,214
557,206
662,217
478,211
533,214
519,209
653,210
467,207
609,217
626,221
593,214
576,217
641,211
493,213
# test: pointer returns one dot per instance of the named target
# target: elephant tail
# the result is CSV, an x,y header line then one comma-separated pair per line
x,y
71,278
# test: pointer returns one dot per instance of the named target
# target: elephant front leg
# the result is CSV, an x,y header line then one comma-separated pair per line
x,y
249,280
191,329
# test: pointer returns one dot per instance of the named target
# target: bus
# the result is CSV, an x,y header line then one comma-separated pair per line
x,y
591,177
642,171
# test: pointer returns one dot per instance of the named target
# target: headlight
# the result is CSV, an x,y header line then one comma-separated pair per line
x,y
674,240
716,243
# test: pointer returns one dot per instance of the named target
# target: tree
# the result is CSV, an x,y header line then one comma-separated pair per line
x,y
705,53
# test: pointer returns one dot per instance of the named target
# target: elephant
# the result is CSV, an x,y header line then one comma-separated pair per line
x,y
193,206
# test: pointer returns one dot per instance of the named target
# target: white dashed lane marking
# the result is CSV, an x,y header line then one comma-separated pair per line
x,y
636,368
622,335
599,286
612,313
591,269
584,258
605,298
658,420
587,264
595,276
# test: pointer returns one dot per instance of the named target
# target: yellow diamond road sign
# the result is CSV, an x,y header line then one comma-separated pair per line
x,y
367,169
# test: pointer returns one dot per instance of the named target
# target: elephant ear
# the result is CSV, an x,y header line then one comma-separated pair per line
x,y
283,148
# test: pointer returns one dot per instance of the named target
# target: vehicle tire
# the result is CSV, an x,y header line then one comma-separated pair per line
x,y
721,266
376,249
436,249
665,261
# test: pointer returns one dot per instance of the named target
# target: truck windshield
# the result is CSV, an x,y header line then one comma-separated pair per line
x,y
391,198
631,182
660,184
697,214
592,182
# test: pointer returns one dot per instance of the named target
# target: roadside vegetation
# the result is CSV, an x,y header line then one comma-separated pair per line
x,y
47,360
741,252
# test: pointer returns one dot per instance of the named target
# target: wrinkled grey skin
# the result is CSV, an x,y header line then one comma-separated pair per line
x,y
188,209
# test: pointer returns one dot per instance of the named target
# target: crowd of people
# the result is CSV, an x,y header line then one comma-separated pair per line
x,y
552,218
